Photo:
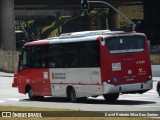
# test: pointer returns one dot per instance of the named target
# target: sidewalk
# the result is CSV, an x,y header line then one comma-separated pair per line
x,y
4,74
156,79
156,70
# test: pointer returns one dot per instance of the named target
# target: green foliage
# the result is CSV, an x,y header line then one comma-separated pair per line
x,y
98,18
133,12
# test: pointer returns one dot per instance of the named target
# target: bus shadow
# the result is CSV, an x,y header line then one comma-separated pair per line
x,y
46,99
120,102
92,101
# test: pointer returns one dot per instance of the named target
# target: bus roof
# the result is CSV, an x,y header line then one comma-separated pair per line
x,y
80,36
83,34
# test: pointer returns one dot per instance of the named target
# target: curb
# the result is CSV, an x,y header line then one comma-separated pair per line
x,y
3,74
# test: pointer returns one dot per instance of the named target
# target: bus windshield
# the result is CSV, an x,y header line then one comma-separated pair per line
x,y
125,44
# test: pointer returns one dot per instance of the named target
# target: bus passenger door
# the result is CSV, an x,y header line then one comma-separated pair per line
x,y
44,82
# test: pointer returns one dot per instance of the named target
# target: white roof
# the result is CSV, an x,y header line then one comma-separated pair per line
x,y
78,36
83,34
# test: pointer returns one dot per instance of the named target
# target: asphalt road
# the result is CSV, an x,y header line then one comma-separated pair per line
x,y
149,101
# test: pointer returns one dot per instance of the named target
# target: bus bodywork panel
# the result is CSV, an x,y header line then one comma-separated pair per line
x,y
37,79
86,81
140,87
124,69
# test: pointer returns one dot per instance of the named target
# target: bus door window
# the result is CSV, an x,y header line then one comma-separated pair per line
x,y
24,59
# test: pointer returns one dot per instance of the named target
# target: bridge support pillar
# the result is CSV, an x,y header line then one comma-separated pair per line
x,y
7,33
114,19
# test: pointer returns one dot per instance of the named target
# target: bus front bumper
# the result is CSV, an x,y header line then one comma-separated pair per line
x,y
128,88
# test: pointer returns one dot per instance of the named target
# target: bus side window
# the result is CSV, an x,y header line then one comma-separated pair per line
x,y
81,54
55,56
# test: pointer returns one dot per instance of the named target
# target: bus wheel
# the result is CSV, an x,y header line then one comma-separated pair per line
x,y
159,91
111,97
72,95
30,94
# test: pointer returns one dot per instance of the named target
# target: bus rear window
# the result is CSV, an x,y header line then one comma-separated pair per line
x,y
125,44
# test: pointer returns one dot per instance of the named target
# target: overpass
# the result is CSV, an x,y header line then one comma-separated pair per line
x,y
66,4
150,24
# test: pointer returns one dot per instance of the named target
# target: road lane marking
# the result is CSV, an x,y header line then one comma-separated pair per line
x,y
13,99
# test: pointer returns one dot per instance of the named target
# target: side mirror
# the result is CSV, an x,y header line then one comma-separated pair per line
x,y
102,41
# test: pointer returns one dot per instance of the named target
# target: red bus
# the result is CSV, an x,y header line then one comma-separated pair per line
x,y
81,64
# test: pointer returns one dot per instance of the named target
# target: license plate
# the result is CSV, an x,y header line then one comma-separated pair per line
x,y
130,79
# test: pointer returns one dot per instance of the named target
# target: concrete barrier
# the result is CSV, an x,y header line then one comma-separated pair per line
x,y
156,70
9,60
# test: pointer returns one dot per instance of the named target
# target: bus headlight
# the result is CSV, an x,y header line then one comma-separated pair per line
x,y
109,81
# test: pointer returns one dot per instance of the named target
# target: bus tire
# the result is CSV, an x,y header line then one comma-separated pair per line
x,y
159,90
32,96
111,97
72,95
